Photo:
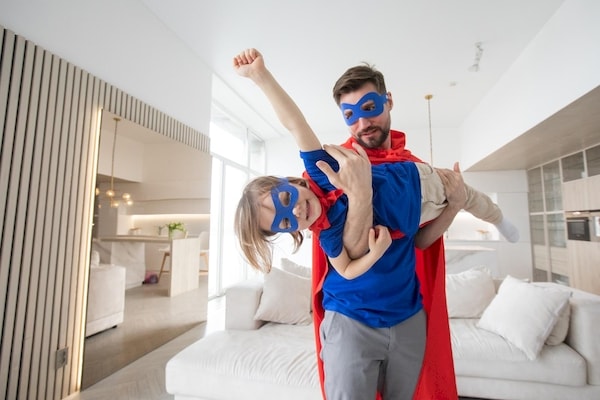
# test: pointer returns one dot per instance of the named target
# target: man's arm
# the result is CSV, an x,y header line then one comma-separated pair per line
x,y
456,194
354,178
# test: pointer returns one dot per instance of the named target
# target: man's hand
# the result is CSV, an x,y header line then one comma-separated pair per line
x,y
454,187
456,194
354,176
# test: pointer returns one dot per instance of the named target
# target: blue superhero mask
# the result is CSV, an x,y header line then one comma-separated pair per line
x,y
285,197
369,106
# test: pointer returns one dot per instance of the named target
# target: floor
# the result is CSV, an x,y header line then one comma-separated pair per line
x,y
152,318
144,379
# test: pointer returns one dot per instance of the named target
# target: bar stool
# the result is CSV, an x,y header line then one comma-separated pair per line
x,y
166,253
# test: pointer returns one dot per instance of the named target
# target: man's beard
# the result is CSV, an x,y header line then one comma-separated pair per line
x,y
377,136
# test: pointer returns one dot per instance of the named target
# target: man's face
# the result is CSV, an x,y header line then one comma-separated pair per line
x,y
370,132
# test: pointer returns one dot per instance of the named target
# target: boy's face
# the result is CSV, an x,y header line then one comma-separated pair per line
x,y
371,131
288,208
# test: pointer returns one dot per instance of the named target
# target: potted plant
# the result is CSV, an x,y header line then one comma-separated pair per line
x,y
176,229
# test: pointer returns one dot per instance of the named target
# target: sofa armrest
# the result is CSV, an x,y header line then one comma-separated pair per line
x,y
583,331
241,303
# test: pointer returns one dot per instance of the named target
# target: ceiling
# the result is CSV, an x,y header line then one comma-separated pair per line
x,y
422,47
575,127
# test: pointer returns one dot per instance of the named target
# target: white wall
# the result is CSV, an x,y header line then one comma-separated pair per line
x,y
129,158
560,65
123,43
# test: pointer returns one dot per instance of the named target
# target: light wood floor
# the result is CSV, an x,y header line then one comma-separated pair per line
x,y
152,318
144,379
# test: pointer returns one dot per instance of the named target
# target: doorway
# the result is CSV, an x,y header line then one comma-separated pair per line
x,y
166,181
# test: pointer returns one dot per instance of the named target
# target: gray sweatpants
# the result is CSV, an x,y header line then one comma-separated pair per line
x,y
359,360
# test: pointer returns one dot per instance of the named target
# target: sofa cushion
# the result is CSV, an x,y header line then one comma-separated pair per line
x,y
285,298
468,293
524,314
294,268
480,353
276,361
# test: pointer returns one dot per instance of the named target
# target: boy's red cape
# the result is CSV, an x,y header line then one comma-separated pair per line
x,y
437,380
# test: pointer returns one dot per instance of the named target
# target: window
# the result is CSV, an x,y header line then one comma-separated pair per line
x,y
536,199
227,138
238,155
552,187
592,157
548,236
573,167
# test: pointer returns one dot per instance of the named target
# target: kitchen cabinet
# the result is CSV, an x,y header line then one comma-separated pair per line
x,y
593,192
582,194
583,262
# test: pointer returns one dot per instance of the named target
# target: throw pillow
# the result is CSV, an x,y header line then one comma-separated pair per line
x,y
285,298
559,333
468,293
561,329
524,314
297,269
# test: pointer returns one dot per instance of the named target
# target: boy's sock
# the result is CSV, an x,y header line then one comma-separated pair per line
x,y
508,230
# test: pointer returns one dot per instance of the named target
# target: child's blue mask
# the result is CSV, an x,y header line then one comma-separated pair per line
x,y
285,197
369,106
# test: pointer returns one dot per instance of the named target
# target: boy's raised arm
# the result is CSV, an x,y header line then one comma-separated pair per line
x,y
250,64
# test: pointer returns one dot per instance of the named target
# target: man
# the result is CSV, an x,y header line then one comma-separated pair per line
x,y
359,357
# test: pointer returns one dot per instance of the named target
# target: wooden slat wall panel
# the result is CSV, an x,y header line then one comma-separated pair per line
x,y
39,251
37,102
26,104
49,115
9,164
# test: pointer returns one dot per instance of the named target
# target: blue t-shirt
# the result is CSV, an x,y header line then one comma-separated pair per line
x,y
388,293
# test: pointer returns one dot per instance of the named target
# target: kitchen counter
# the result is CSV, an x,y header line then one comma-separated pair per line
x,y
129,251
136,238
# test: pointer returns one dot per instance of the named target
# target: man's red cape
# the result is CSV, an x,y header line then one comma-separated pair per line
x,y
437,380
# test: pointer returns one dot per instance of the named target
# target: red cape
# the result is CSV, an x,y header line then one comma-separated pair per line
x,y
437,378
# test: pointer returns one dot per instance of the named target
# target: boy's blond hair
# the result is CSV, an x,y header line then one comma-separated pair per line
x,y
255,243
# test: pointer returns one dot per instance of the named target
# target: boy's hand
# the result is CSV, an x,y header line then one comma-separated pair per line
x,y
379,239
247,62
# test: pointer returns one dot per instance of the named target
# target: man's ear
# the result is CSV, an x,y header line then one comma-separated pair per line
x,y
390,100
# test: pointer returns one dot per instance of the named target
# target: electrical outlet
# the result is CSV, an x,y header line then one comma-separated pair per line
x,y
62,357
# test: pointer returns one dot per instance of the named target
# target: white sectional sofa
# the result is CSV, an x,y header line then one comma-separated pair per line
x,y
258,359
